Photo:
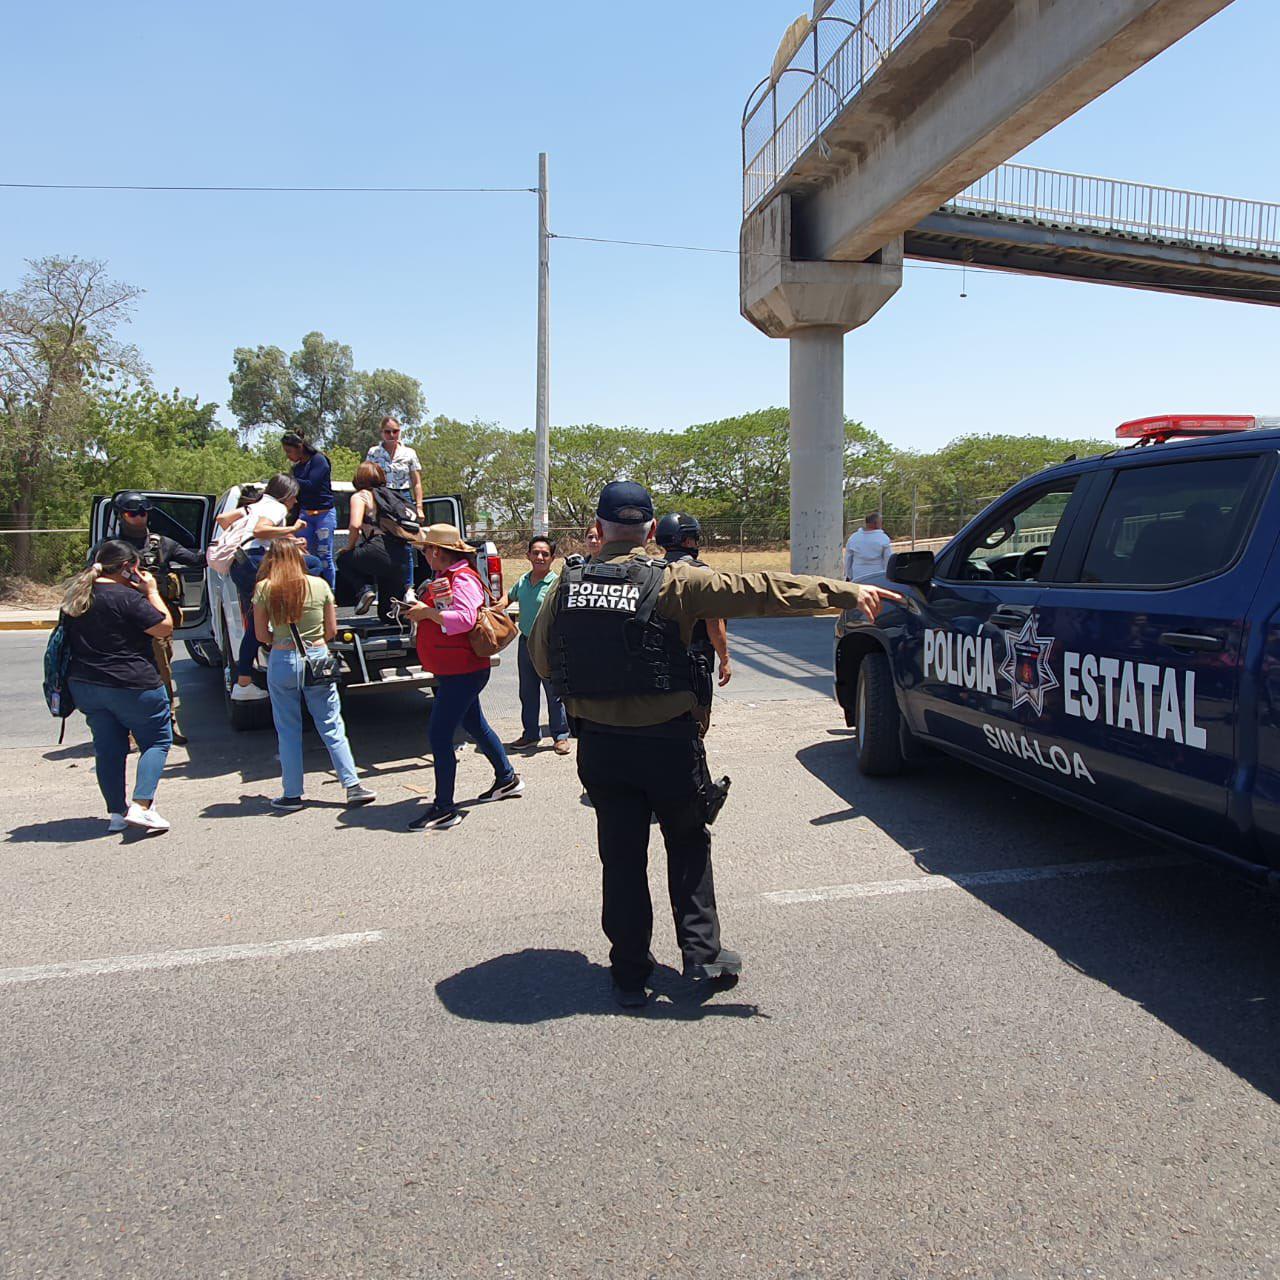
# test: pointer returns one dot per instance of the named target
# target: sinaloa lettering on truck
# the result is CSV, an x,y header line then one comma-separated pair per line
x,y
1054,758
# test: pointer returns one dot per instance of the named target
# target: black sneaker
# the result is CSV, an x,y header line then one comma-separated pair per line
x,y
434,818
502,790
629,997
367,597
287,804
728,964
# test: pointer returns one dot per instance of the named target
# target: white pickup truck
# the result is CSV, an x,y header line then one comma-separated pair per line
x,y
375,654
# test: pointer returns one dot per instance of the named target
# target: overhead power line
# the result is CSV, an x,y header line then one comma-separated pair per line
x,y
89,186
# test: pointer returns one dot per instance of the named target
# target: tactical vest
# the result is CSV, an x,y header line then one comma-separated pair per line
x,y
699,641
607,640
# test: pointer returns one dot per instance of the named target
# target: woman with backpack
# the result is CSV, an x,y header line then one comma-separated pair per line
x,y
375,564
111,612
294,613
456,595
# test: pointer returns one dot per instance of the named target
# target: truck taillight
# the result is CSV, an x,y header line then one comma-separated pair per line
x,y
494,570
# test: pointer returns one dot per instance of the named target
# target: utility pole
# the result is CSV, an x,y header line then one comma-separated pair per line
x,y
542,461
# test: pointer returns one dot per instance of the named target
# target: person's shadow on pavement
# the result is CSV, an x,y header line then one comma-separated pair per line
x,y
537,985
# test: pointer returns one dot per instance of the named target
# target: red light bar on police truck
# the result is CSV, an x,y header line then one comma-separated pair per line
x,y
1166,426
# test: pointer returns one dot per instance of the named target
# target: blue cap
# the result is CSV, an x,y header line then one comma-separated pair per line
x,y
625,495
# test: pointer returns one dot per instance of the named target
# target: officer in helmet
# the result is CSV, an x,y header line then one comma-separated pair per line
x,y
159,555
679,536
613,638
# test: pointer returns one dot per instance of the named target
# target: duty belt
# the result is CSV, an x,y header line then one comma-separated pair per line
x,y
683,726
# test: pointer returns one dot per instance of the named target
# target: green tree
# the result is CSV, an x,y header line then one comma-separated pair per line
x,y
318,392
58,346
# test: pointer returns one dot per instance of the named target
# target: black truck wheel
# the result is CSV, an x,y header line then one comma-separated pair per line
x,y
204,653
877,718
244,717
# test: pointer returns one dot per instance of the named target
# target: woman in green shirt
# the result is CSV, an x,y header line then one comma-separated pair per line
x,y
288,599
529,590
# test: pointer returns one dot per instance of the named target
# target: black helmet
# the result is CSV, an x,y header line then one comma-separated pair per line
x,y
673,529
132,502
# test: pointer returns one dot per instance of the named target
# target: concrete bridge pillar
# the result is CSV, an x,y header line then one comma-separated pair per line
x,y
814,304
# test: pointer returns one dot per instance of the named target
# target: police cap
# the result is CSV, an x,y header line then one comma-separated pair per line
x,y
620,500
673,529
132,502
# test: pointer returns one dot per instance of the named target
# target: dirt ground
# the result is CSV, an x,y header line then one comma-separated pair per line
x,y
514,566
22,593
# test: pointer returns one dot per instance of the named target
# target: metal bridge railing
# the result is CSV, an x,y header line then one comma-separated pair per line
x,y
777,127
1124,208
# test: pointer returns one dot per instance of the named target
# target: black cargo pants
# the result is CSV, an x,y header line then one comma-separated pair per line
x,y
628,776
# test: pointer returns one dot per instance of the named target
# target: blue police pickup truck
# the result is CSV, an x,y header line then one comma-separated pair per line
x,y
1108,633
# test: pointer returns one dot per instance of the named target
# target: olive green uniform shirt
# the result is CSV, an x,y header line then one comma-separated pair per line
x,y
690,592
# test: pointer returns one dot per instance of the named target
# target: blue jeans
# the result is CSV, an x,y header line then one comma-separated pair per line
x,y
411,555
531,687
457,702
284,682
113,714
318,532
245,576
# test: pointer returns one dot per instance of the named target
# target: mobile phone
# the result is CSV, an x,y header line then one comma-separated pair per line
x,y
131,576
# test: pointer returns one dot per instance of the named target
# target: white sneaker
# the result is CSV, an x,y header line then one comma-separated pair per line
x,y
247,693
148,819
115,822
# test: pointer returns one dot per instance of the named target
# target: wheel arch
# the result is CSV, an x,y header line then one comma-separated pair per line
x,y
850,651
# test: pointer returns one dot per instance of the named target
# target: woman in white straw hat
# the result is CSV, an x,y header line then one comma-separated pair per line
x,y
453,599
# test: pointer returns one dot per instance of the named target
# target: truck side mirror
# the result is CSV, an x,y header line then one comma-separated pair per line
x,y
912,568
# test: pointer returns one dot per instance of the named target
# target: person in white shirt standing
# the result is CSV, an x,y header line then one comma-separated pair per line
x,y
404,478
867,551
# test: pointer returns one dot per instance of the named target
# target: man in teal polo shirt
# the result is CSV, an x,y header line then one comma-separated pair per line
x,y
528,592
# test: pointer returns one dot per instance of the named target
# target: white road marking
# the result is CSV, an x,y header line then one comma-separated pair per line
x,y
972,879
196,955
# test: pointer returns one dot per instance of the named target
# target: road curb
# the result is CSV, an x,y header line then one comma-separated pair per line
x,y
28,624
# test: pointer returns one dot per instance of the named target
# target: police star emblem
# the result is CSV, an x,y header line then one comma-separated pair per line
x,y
1026,666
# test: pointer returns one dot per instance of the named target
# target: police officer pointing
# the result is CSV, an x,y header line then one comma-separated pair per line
x,y
613,638
158,554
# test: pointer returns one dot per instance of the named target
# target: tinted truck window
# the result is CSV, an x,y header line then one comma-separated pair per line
x,y
1171,523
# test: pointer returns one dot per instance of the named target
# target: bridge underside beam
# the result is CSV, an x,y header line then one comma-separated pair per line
x,y
1099,257
978,81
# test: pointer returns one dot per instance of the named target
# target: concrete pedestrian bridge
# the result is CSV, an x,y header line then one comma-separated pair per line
x,y
1076,227
883,129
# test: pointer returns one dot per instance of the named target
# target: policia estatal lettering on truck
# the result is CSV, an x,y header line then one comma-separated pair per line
x,y
614,639
1108,632
159,555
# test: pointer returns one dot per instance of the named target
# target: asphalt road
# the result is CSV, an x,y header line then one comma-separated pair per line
x,y
978,1035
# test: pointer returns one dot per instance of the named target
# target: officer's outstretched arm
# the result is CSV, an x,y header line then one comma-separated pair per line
x,y
696,593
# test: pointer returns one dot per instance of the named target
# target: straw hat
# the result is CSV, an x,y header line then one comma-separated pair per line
x,y
446,536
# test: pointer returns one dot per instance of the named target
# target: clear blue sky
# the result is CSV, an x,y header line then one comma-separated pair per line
x,y
638,107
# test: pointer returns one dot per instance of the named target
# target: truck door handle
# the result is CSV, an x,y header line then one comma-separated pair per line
x,y
1190,640
1009,617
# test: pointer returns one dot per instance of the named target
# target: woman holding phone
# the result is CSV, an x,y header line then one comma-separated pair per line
x,y
112,611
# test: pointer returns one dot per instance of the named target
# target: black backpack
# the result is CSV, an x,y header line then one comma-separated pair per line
x,y
394,515
57,658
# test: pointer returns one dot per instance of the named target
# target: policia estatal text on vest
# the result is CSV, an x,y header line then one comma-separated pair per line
x,y
613,638
159,555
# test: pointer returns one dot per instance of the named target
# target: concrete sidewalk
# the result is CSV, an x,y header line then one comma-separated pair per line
x,y
19,619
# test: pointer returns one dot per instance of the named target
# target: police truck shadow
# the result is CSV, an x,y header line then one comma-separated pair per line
x,y
539,985
1190,944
